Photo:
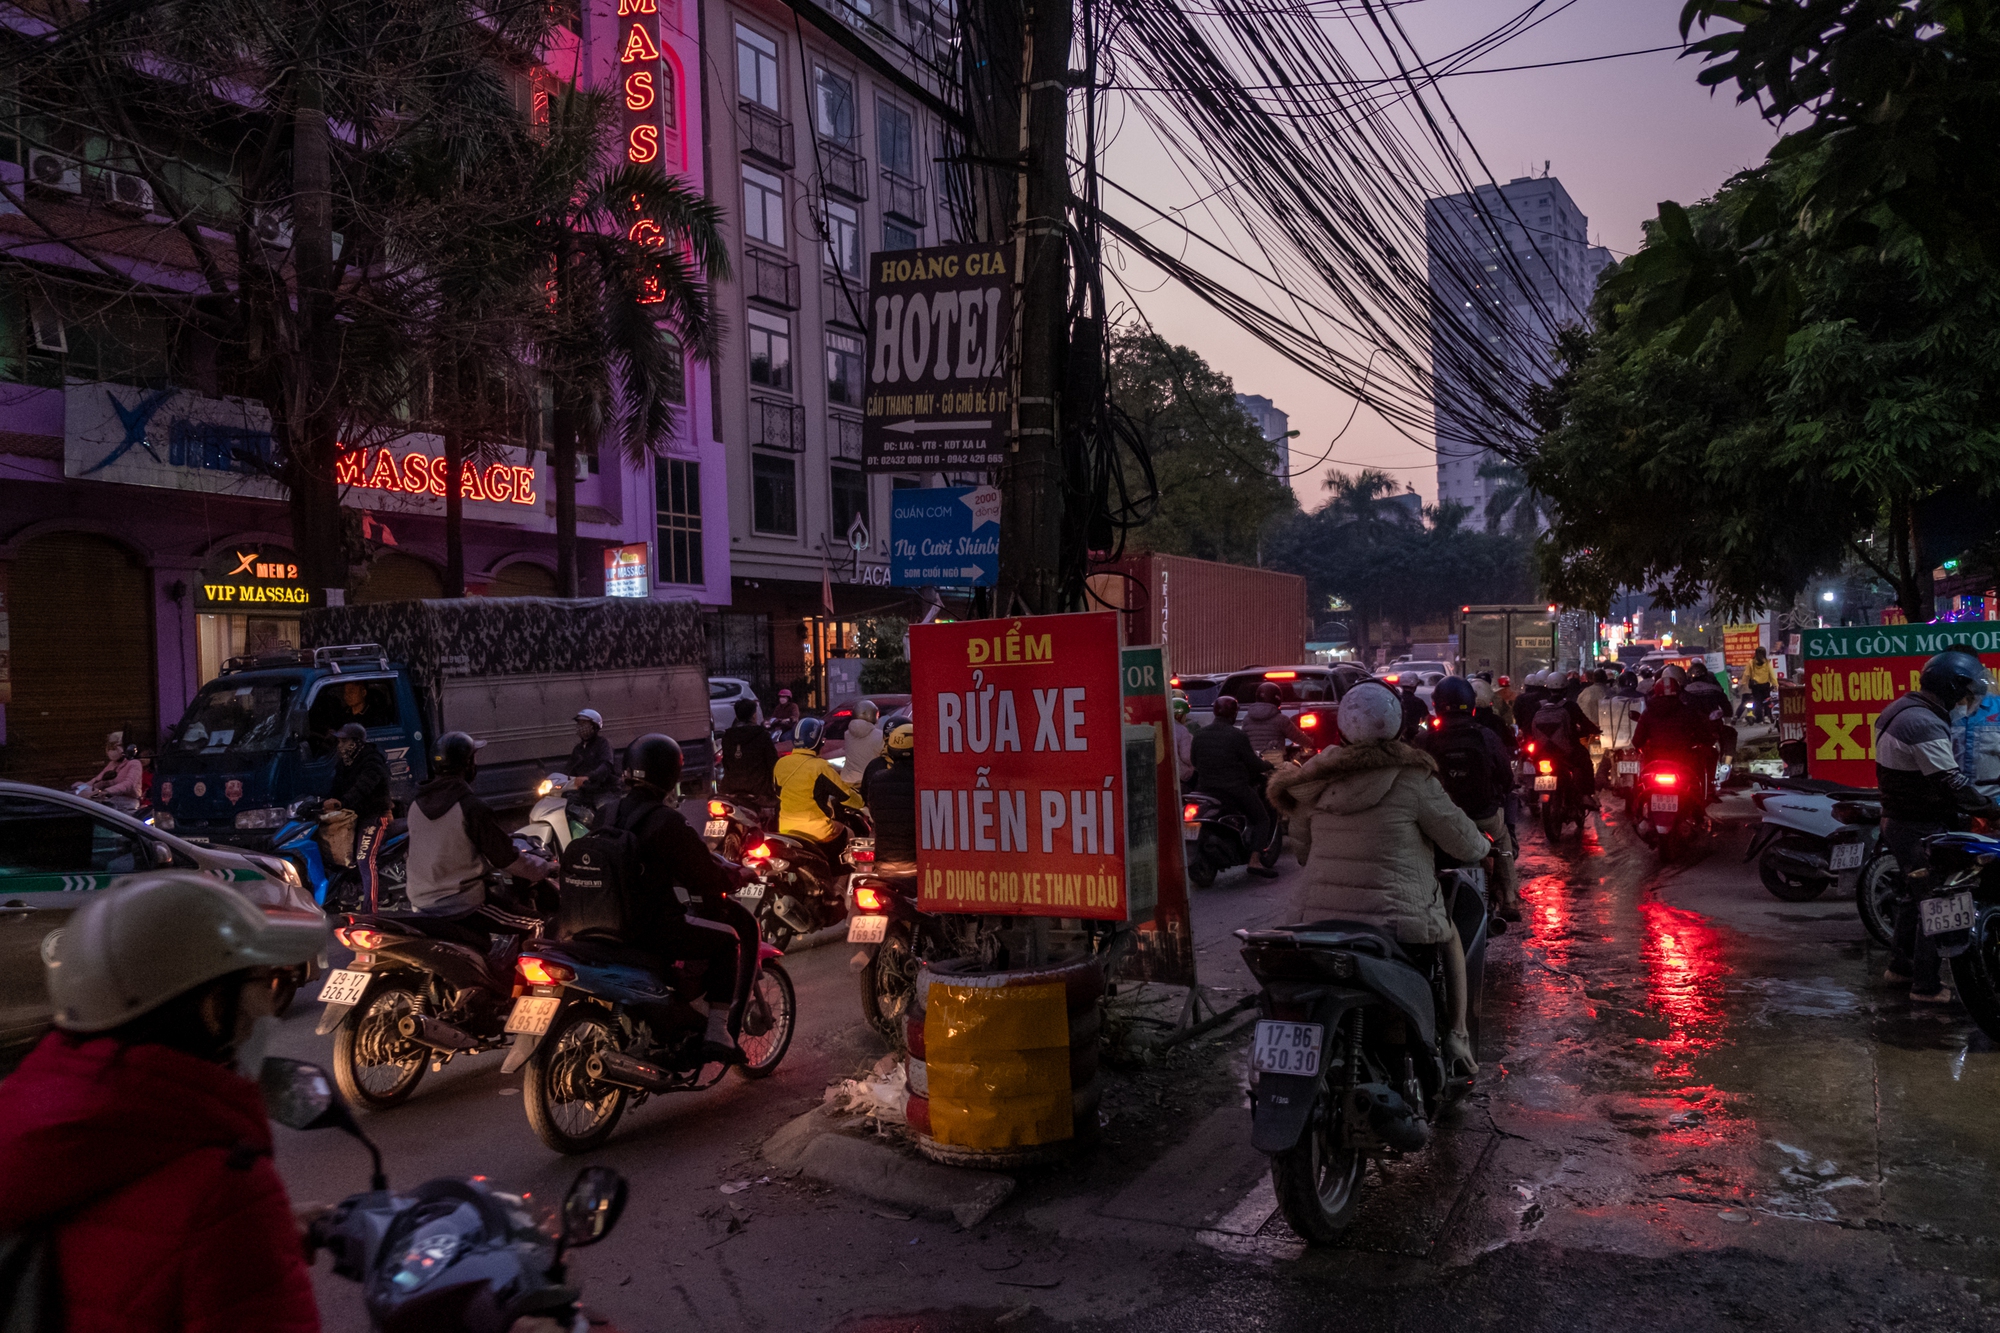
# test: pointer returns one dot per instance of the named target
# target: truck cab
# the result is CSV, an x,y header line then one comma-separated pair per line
x,y
259,738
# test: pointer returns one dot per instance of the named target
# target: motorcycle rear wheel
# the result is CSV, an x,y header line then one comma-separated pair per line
x,y
1976,972
374,1065
1318,1179
1875,897
1200,871
768,1023
1788,887
889,984
1552,821
557,1088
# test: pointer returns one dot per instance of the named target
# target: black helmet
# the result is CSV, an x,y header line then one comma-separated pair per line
x,y
1953,675
654,761
457,753
1268,693
1225,709
1454,694
809,734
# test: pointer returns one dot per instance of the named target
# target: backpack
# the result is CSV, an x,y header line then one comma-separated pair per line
x,y
1464,769
30,1281
601,874
1552,725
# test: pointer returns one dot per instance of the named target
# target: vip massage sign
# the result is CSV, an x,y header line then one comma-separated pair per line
x,y
1020,766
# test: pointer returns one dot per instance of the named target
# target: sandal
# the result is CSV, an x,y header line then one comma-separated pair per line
x,y
1459,1061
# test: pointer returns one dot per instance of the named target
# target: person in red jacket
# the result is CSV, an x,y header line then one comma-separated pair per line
x,y
129,1137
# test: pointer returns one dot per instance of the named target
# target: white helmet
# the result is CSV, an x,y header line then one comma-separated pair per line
x,y
133,948
1370,715
867,711
592,716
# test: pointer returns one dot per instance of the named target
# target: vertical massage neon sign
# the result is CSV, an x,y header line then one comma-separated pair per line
x,y
647,87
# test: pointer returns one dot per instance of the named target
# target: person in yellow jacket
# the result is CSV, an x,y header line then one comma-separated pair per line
x,y
1762,679
810,789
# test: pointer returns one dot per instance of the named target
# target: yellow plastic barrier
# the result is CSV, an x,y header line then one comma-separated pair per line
x,y
999,1065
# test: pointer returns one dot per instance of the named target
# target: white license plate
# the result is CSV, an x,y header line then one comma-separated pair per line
x,y
533,1014
1547,782
1628,766
1846,855
1944,915
750,892
1287,1048
867,929
343,987
715,828
1666,805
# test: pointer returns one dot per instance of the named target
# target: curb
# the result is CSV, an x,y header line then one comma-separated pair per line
x,y
888,1176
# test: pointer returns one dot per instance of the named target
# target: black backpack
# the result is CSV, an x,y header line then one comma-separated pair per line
x,y
1465,769
600,878
1553,725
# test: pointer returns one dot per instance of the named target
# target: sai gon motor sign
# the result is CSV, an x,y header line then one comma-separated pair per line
x,y
1852,674
1020,767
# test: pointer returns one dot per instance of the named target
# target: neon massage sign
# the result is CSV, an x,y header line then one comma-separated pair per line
x,y
647,86
421,474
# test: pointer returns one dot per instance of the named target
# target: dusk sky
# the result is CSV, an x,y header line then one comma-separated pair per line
x,y
1621,135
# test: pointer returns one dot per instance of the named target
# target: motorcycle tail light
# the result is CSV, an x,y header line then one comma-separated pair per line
x,y
1531,747
360,938
543,972
717,809
761,852
1546,766
1434,723
1309,721
868,899
1189,812
1666,779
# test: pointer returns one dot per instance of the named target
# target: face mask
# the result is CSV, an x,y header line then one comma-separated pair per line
x,y
250,1051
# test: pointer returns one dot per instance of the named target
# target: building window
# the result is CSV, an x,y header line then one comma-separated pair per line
x,y
677,492
843,239
774,496
850,501
833,95
763,206
756,68
843,368
770,350
896,139
895,236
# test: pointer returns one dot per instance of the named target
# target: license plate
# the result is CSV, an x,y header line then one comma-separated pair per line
x,y
1666,805
750,892
533,1014
1628,766
1547,782
1944,915
343,987
1846,855
1287,1048
867,929
715,828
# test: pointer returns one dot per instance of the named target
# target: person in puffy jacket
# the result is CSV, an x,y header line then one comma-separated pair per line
x,y
1369,818
128,1137
890,788
864,742
1265,723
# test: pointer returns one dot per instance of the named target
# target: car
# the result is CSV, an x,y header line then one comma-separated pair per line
x,y
58,850
1428,673
1296,684
1201,692
835,744
723,692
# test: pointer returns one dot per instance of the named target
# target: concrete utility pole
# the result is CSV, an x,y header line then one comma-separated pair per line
x,y
1031,510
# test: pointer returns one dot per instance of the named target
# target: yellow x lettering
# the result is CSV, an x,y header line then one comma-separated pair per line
x,y
1839,742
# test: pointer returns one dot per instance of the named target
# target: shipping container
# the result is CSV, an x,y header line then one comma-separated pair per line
x,y
1211,617
1508,640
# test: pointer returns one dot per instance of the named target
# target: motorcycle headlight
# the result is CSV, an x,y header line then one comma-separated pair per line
x,y
269,817
545,788
162,819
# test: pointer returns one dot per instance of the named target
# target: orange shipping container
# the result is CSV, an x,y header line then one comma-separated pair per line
x,y
1211,617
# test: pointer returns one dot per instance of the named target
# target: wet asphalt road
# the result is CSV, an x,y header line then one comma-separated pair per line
x,y
1699,1107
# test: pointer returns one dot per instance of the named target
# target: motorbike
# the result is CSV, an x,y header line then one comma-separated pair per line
x,y
415,998
600,1029
1218,838
1622,764
1814,835
453,1255
1962,913
897,937
1670,805
560,816
338,888
734,822
1556,793
801,885
1347,1062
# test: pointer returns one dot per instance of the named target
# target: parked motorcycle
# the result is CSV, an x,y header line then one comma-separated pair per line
x,y
453,1255
1218,838
338,888
1347,1062
897,937
1670,805
414,998
600,1028
1962,913
561,815
801,885
1812,838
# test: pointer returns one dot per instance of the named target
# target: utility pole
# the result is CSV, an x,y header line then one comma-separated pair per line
x,y
1031,480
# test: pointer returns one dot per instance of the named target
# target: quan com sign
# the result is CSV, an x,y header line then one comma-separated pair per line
x,y
1853,674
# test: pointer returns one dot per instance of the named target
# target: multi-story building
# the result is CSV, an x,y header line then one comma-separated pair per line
x,y
1274,425
1515,264
819,162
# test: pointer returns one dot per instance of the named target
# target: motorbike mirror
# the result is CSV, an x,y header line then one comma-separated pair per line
x,y
299,1095
592,1206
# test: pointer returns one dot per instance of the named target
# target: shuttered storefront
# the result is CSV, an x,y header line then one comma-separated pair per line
x,y
395,577
82,630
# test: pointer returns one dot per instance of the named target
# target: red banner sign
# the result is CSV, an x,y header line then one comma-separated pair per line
x,y
1020,767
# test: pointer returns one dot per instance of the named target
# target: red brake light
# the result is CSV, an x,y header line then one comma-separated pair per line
x,y
1281,675
541,972
1531,747
1174,681
1666,779
359,938
717,809
1189,812
1546,766
859,854
1434,723
1391,679
867,899
1309,721
761,852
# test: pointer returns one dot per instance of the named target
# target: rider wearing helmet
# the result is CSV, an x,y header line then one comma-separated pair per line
x,y
672,854
1228,767
1561,730
1265,723
457,845
748,756
863,743
1476,773
134,1135
1924,792
890,786
810,789
1670,726
592,769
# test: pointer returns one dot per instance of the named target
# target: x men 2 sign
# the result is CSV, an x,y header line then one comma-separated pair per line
x,y
939,395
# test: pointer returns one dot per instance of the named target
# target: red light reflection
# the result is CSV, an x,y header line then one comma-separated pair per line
x,y
1685,973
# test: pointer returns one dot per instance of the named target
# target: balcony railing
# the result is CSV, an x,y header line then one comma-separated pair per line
x,y
846,171
902,198
766,277
775,424
766,135
844,438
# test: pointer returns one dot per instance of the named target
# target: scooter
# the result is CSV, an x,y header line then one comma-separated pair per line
x,y
897,937
1347,1062
1218,838
338,888
1555,792
1962,914
453,1255
1670,806
798,888
561,815
1814,835
734,823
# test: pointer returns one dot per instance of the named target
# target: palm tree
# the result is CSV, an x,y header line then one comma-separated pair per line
x,y
1511,494
1356,498
627,255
